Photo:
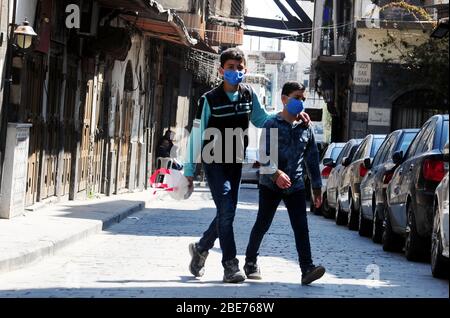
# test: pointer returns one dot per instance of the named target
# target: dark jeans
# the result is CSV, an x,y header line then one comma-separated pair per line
x,y
224,181
296,206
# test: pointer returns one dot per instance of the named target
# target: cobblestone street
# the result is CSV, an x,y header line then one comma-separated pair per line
x,y
146,255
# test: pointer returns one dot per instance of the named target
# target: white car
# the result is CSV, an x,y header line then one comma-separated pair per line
x,y
250,167
439,236
332,152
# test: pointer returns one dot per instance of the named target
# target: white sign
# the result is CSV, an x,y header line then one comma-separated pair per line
x,y
360,107
362,73
379,117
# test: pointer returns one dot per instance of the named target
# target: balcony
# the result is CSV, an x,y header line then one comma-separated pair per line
x,y
219,35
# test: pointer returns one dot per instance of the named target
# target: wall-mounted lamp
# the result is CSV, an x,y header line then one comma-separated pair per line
x,y
24,35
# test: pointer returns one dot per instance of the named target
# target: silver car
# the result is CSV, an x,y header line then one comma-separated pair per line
x,y
439,237
332,153
250,167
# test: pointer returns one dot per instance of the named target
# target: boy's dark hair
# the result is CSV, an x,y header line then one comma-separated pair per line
x,y
232,54
290,87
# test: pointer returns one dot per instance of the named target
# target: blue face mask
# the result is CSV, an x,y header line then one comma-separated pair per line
x,y
294,106
233,77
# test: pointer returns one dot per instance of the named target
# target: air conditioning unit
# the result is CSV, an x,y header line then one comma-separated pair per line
x,y
89,18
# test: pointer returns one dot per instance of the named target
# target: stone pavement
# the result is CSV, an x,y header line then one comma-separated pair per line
x,y
146,255
40,233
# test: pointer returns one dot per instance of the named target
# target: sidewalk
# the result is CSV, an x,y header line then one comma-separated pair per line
x,y
36,234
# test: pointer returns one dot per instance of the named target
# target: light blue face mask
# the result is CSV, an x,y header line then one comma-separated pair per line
x,y
294,106
233,77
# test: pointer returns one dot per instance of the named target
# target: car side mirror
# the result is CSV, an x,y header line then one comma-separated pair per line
x,y
368,163
346,161
329,162
397,157
445,151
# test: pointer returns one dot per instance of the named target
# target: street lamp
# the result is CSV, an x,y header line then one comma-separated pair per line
x,y
24,35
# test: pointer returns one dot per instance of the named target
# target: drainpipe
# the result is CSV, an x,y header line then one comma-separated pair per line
x,y
7,88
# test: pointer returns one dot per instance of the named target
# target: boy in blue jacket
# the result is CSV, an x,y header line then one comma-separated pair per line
x,y
281,178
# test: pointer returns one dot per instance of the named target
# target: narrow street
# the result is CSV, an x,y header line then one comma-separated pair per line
x,y
146,255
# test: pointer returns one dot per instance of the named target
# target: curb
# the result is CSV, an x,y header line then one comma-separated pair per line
x,y
50,247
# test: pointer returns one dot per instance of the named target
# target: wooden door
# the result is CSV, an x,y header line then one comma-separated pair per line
x,y
85,137
69,123
99,137
125,147
51,131
35,77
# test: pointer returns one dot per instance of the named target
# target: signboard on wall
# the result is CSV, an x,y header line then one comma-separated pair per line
x,y
360,107
362,73
379,117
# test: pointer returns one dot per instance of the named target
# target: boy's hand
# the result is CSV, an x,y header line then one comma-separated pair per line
x,y
283,181
317,196
304,117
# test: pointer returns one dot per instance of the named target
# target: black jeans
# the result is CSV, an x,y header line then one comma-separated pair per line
x,y
224,181
296,206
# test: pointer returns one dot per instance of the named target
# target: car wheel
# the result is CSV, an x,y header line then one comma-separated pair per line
x,y
364,225
377,227
340,217
352,215
392,242
415,245
439,265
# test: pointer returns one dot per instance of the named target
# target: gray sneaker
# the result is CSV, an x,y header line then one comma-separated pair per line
x,y
231,273
252,271
311,274
197,265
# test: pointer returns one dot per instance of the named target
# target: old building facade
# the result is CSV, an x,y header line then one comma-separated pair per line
x,y
355,65
100,96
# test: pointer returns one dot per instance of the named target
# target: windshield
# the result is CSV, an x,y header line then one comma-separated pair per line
x,y
375,145
406,140
335,152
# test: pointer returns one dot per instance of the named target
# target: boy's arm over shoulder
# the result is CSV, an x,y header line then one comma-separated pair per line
x,y
259,115
195,141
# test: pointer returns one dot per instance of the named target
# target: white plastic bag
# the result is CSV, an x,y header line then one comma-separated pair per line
x,y
174,182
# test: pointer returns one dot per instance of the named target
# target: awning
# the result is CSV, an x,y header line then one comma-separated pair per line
x,y
152,19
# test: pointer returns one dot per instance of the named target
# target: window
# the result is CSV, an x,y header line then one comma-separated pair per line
x,y
427,139
343,153
415,143
406,140
352,152
381,153
376,143
444,138
361,150
335,152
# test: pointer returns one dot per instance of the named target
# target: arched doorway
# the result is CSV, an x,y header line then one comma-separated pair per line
x,y
413,108
125,138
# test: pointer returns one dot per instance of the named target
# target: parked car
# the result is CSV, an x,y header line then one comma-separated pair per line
x,y
321,146
332,152
250,167
374,184
410,193
349,190
334,177
439,237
